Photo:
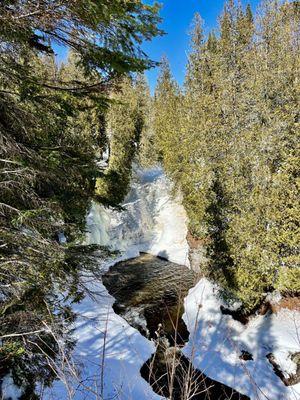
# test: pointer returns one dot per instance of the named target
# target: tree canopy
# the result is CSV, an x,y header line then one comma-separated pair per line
x,y
230,140
52,130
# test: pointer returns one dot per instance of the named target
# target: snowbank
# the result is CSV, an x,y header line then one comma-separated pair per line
x,y
109,353
153,221
216,342
10,391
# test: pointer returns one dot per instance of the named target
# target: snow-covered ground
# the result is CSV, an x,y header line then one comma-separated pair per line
x,y
108,356
10,391
217,341
110,353
153,220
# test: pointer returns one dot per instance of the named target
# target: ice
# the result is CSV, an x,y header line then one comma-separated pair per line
x,y
153,220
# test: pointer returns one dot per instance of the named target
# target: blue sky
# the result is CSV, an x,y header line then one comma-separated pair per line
x,y
177,17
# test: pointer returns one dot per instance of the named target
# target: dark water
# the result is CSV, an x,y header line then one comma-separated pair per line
x,y
149,295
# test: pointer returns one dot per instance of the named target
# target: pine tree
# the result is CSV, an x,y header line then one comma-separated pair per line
x,y
254,159
51,131
197,178
127,121
237,125
166,121
147,153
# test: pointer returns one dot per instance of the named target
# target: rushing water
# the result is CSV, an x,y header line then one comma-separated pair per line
x,y
149,293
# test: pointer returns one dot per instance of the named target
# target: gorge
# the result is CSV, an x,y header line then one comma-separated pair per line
x,y
116,349
149,200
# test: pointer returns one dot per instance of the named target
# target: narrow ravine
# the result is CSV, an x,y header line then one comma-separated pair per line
x,y
145,291
149,293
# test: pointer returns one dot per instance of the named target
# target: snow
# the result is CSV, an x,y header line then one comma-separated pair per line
x,y
9,390
109,353
153,221
62,238
216,341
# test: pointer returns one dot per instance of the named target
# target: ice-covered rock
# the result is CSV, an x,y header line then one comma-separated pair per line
x,y
153,220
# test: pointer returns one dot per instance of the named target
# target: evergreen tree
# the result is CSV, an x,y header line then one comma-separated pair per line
x,y
127,121
51,131
197,178
260,262
167,110
232,146
147,146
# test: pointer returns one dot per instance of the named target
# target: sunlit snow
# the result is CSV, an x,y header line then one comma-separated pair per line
x,y
217,341
111,353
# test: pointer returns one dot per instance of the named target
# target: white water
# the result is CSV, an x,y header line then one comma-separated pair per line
x,y
107,347
153,221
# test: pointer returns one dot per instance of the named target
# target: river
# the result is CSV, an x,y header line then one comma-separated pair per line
x,y
149,294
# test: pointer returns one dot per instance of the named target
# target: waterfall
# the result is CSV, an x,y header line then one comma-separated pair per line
x,y
153,220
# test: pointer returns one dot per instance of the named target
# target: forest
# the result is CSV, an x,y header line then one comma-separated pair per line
x,y
227,139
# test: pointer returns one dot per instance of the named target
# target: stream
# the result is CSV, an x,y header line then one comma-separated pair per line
x,y
149,294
